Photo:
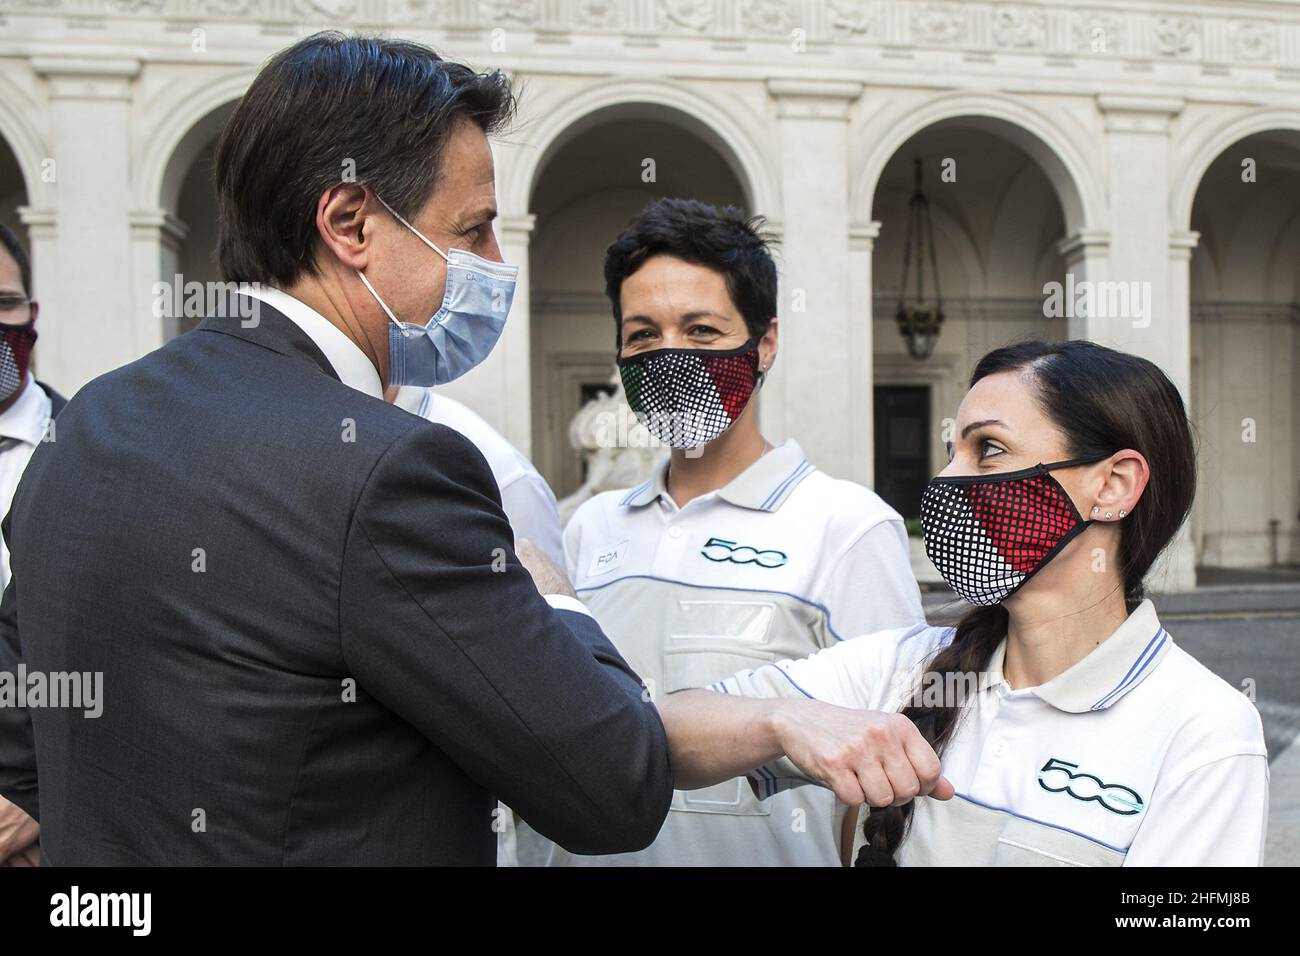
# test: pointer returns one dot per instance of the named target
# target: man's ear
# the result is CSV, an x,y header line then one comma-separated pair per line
x,y
343,224
1124,479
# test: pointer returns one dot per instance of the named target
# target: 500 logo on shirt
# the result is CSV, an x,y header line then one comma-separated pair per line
x,y
1084,786
717,549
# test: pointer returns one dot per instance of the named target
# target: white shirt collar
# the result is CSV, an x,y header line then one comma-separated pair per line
x,y
1108,672
348,361
27,417
763,486
415,399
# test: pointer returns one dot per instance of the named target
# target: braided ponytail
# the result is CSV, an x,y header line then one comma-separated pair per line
x,y
978,635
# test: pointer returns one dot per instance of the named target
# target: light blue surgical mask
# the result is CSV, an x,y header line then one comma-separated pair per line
x,y
463,332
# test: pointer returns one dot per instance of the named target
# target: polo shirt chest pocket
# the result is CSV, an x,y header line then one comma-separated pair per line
x,y
1027,843
710,640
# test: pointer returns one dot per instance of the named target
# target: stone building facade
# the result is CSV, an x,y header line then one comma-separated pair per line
x,y
1147,146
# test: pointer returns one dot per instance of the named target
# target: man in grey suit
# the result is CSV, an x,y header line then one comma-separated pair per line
x,y
315,641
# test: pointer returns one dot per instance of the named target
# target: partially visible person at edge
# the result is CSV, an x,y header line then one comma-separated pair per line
x,y
735,551
1058,723
26,409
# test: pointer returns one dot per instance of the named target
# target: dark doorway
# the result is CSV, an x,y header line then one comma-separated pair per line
x,y
902,446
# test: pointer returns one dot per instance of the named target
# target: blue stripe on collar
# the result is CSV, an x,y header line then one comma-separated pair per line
x,y
1141,664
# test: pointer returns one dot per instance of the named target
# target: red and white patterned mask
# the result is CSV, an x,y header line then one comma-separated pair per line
x,y
16,343
989,534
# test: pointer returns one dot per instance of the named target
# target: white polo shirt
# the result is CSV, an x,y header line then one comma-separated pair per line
x,y
526,498
1137,755
781,561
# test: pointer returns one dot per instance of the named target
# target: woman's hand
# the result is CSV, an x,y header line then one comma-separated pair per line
x,y
865,756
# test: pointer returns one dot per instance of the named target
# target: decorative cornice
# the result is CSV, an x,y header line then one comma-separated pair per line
x,y
1090,242
88,78
1270,312
813,99
1181,244
1059,32
863,235
158,224
1139,114
40,223
517,228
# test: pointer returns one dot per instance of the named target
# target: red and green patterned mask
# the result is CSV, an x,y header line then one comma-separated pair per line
x,y
688,397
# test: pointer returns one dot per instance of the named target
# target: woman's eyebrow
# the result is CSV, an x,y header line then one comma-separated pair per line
x,y
980,424
701,314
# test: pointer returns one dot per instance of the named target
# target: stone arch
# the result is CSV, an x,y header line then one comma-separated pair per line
x,y
1208,145
25,141
710,121
1052,147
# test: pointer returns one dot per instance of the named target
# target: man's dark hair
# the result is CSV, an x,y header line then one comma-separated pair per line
x,y
325,107
725,240
15,248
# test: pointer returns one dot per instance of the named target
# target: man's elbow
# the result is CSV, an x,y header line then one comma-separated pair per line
x,y
637,795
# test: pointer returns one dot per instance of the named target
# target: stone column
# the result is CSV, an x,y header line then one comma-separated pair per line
x,y
1144,260
43,253
1137,145
814,395
156,238
1087,258
91,306
1178,564
862,462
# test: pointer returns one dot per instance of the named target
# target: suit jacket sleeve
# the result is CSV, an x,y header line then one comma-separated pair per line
x,y
17,746
442,624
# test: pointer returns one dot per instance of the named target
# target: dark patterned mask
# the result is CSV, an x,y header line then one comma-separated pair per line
x,y
16,343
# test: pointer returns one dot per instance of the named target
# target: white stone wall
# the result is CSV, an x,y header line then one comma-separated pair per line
x,y
1121,106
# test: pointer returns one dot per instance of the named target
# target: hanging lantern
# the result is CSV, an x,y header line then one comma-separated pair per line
x,y
919,319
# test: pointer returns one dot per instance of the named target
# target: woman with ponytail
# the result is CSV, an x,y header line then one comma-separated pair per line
x,y
1057,723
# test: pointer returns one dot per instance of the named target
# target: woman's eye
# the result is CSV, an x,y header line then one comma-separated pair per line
x,y
703,330
990,450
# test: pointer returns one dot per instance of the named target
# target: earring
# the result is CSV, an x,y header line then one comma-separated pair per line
x,y
1108,515
1096,509
1122,512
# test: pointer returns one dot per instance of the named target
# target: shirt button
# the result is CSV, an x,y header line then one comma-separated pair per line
x,y
674,532
1000,750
